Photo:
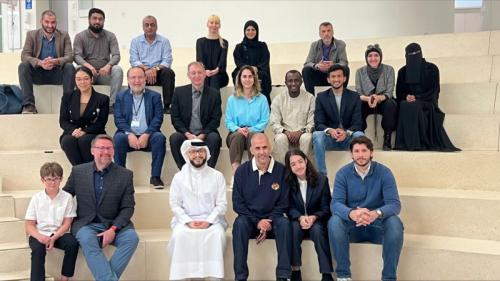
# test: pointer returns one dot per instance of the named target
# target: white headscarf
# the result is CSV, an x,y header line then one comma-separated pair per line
x,y
195,144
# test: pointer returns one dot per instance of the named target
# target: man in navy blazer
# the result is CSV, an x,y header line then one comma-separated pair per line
x,y
196,113
337,117
138,116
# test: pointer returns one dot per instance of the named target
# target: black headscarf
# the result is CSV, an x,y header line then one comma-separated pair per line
x,y
374,73
414,62
251,43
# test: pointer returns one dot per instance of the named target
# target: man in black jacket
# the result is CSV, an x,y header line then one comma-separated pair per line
x,y
195,114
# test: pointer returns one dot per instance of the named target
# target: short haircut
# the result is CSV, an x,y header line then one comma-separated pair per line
x,y
336,67
51,169
86,70
96,11
149,17
101,137
293,71
326,23
48,13
135,67
199,63
361,140
258,135
239,87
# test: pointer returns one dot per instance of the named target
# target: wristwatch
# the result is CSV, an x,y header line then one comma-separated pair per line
x,y
303,130
379,213
157,68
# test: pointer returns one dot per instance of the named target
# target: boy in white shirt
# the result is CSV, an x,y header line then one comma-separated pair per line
x,y
48,220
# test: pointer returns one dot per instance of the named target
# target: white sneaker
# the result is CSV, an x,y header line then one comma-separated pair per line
x,y
344,279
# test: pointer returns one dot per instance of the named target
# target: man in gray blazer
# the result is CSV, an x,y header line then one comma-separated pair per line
x,y
105,198
324,53
46,59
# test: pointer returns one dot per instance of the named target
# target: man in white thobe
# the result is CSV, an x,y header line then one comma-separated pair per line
x,y
198,202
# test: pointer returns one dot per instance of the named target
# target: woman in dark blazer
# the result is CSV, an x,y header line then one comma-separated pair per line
x,y
309,211
253,52
83,115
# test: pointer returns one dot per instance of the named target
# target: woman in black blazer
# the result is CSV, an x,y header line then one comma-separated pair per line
x,y
83,115
309,211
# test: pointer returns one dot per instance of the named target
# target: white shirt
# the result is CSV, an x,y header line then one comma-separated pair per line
x,y
198,194
360,173
50,213
303,189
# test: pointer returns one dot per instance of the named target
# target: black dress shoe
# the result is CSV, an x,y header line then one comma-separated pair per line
x,y
281,279
166,109
387,142
156,182
326,277
296,275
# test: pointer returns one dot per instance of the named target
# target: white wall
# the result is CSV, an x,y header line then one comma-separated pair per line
x,y
491,15
280,21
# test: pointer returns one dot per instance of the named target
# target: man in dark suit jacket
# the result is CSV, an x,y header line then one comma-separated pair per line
x,y
105,194
196,113
138,116
337,117
46,59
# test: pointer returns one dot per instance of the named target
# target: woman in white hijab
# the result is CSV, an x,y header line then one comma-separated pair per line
x,y
198,202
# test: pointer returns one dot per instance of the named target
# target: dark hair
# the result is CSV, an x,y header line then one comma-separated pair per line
x,y
361,140
48,13
336,67
101,137
312,174
51,169
86,70
293,71
96,11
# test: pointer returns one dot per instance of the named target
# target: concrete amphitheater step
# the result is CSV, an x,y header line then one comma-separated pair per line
x,y
22,275
12,230
14,256
459,170
6,206
462,130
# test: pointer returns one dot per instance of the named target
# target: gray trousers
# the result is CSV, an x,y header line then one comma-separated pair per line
x,y
114,80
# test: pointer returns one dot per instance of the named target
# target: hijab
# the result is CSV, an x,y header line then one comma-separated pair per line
x,y
251,43
414,62
374,73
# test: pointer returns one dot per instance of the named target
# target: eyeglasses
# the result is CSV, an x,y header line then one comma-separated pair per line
x,y
54,179
102,148
199,152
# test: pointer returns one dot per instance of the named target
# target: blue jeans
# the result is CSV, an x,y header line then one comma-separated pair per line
x,y
387,231
126,242
156,145
323,142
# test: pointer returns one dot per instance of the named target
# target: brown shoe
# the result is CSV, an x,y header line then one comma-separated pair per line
x,y
29,109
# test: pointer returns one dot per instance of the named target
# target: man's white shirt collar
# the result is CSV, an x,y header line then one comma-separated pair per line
x,y
269,169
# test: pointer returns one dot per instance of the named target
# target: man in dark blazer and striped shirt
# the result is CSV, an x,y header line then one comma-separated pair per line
x,y
105,198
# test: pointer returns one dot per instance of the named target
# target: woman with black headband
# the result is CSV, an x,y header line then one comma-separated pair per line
x,y
420,123
375,85
255,53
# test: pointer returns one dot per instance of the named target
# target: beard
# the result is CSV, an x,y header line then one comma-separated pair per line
x,y
96,29
47,30
198,165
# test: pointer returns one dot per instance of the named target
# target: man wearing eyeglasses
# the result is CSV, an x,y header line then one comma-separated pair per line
x,y
138,116
105,193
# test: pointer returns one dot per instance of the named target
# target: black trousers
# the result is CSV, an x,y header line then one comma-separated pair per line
x,y
29,75
220,80
166,79
318,233
389,111
313,77
77,150
67,243
213,141
244,229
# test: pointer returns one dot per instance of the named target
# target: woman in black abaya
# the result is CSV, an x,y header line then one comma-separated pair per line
x,y
420,122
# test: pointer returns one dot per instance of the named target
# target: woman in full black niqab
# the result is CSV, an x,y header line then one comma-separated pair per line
x,y
255,53
420,121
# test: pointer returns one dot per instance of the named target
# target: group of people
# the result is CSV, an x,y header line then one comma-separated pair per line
x,y
288,202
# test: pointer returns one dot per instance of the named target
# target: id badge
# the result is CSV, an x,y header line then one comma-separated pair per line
x,y
135,124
